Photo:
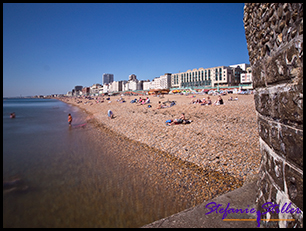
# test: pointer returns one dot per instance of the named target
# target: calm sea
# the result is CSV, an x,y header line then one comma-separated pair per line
x,y
78,176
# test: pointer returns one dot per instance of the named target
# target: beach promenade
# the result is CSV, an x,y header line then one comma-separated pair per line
x,y
220,138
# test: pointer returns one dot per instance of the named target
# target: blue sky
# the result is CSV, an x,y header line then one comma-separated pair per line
x,y
50,48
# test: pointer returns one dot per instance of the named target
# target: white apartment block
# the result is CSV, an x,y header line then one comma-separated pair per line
x,y
162,82
246,78
210,77
146,85
105,88
165,81
132,85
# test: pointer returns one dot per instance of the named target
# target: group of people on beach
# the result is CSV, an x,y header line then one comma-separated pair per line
x,y
141,101
207,101
181,119
164,104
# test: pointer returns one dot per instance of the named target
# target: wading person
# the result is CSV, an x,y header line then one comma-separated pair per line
x,y
69,119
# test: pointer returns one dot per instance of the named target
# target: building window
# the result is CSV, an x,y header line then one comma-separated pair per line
x,y
216,74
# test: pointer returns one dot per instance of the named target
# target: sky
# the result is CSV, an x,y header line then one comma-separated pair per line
x,y
49,48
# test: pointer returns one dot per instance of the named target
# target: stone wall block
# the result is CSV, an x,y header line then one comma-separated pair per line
x,y
276,171
275,138
291,106
265,104
291,141
264,130
258,76
294,183
276,69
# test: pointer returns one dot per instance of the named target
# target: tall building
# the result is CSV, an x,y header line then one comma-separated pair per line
x,y
107,78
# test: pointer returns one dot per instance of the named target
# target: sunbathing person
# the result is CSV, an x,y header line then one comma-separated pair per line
x,y
181,120
219,101
147,100
203,102
160,106
192,101
206,102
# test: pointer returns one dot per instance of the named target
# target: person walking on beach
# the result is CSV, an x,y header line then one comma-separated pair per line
x,y
69,119
110,114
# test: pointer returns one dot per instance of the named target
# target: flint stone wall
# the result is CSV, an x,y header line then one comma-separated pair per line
x,y
274,34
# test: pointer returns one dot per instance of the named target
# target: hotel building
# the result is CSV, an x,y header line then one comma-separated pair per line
x,y
209,77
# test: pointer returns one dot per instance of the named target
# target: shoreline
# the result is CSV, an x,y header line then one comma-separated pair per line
x,y
220,138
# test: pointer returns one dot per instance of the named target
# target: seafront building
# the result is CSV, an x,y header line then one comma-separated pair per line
x,y
107,78
77,90
96,89
161,82
220,76
213,77
246,78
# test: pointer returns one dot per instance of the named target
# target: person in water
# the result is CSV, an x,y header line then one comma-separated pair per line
x,y
69,119
12,115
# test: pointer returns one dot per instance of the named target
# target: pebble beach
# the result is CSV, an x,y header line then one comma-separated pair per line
x,y
220,138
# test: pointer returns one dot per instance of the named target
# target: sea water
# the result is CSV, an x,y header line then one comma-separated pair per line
x,y
76,176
